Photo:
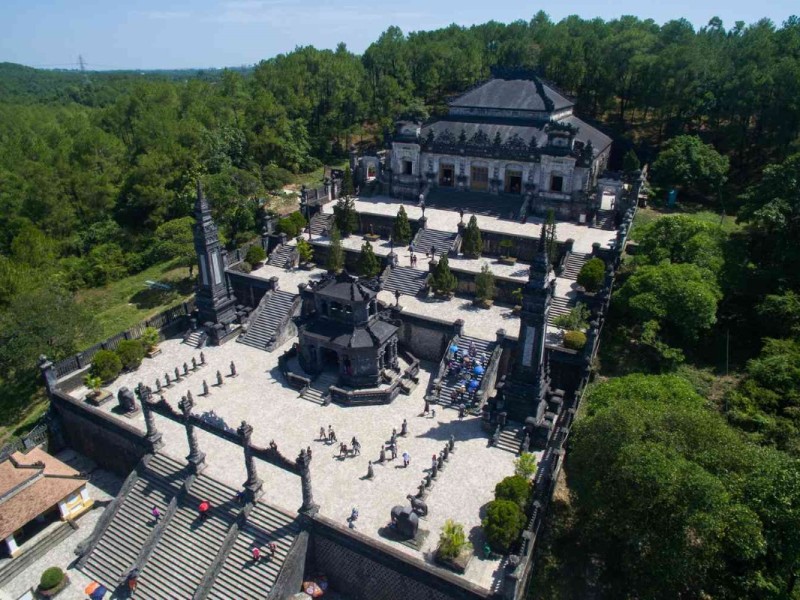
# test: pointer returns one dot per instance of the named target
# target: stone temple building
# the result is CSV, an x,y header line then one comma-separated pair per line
x,y
345,331
512,136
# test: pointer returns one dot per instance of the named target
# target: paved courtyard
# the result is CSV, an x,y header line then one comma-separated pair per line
x,y
276,412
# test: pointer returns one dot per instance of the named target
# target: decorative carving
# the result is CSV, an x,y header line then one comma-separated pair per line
x,y
405,521
479,138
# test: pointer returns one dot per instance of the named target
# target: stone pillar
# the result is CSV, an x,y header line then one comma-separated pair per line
x,y
458,327
304,465
423,222
595,249
253,485
196,459
48,373
152,435
500,335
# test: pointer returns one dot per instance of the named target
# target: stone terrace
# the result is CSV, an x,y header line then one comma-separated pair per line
x,y
447,220
275,411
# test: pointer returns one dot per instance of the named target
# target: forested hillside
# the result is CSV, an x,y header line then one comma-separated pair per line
x,y
697,433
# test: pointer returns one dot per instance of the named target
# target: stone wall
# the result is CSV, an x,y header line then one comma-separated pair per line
x,y
425,338
366,569
115,446
248,289
291,576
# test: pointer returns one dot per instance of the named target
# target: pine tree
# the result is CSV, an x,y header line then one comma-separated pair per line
x,y
368,264
484,284
335,252
401,231
347,183
630,162
473,243
443,282
345,215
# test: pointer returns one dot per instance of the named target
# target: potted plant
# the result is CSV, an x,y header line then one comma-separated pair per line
x,y
371,236
517,296
453,549
472,244
53,581
150,339
505,252
484,287
97,395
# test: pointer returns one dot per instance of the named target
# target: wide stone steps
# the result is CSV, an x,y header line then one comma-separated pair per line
x,y
240,577
405,280
560,306
450,381
510,438
321,224
282,257
605,219
121,542
427,239
317,392
194,338
270,314
188,546
573,265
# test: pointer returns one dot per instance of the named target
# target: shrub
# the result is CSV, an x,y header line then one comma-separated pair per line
x,y
576,319
131,353
305,250
484,283
292,224
515,488
255,254
574,340
401,230
505,247
525,465
503,524
443,281
452,540
517,295
92,382
245,267
51,578
106,365
592,274
368,264
473,243
150,337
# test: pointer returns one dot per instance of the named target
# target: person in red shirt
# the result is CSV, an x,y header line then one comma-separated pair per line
x,y
203,509
256,553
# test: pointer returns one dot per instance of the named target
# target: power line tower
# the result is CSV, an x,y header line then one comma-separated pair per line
x,y
82,66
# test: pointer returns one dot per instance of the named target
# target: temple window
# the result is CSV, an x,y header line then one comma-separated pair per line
x,y
556,183
408,167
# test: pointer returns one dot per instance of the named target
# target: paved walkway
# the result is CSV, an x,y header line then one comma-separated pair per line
x,y
276,413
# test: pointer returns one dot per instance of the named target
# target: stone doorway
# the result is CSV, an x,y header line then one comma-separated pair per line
x,y
446,175
513,182
479,178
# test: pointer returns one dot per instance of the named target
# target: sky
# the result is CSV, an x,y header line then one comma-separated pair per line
x,y
147,34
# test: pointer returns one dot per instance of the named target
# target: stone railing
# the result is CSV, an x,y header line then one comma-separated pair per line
x,y
442,370
364,397
35,437
489,378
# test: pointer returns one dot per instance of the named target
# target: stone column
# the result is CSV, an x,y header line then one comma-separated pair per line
x,y
196,459
48,373
153,436
253,485
304,465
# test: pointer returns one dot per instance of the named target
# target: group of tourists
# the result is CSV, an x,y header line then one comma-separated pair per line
x,y
467,368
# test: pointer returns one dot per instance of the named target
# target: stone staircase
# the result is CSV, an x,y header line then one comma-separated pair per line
x,y
428,238
605,219
317,392
196,338
263,327
573,265
407,280
449,382
13,567
510,438
187,546
240,577
282,257
131,527
321,224
560,306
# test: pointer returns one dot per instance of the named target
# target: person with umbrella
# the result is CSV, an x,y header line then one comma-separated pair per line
x,y
96,591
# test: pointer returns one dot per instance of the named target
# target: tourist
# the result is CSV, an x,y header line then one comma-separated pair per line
x,y
393,448
156,513
433,413
472,350
331,435
461,410
433,461
351,520
273,548
256,552
203,509
404,428
427,407
132,580
406,459
322,435
453,396
438,388
356,447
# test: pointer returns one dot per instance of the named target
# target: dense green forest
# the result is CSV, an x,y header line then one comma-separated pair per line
x,y
683,479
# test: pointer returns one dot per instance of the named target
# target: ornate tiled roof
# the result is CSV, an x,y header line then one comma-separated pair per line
x,y
513,94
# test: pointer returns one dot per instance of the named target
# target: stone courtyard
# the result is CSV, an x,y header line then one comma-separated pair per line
x,y
258,395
